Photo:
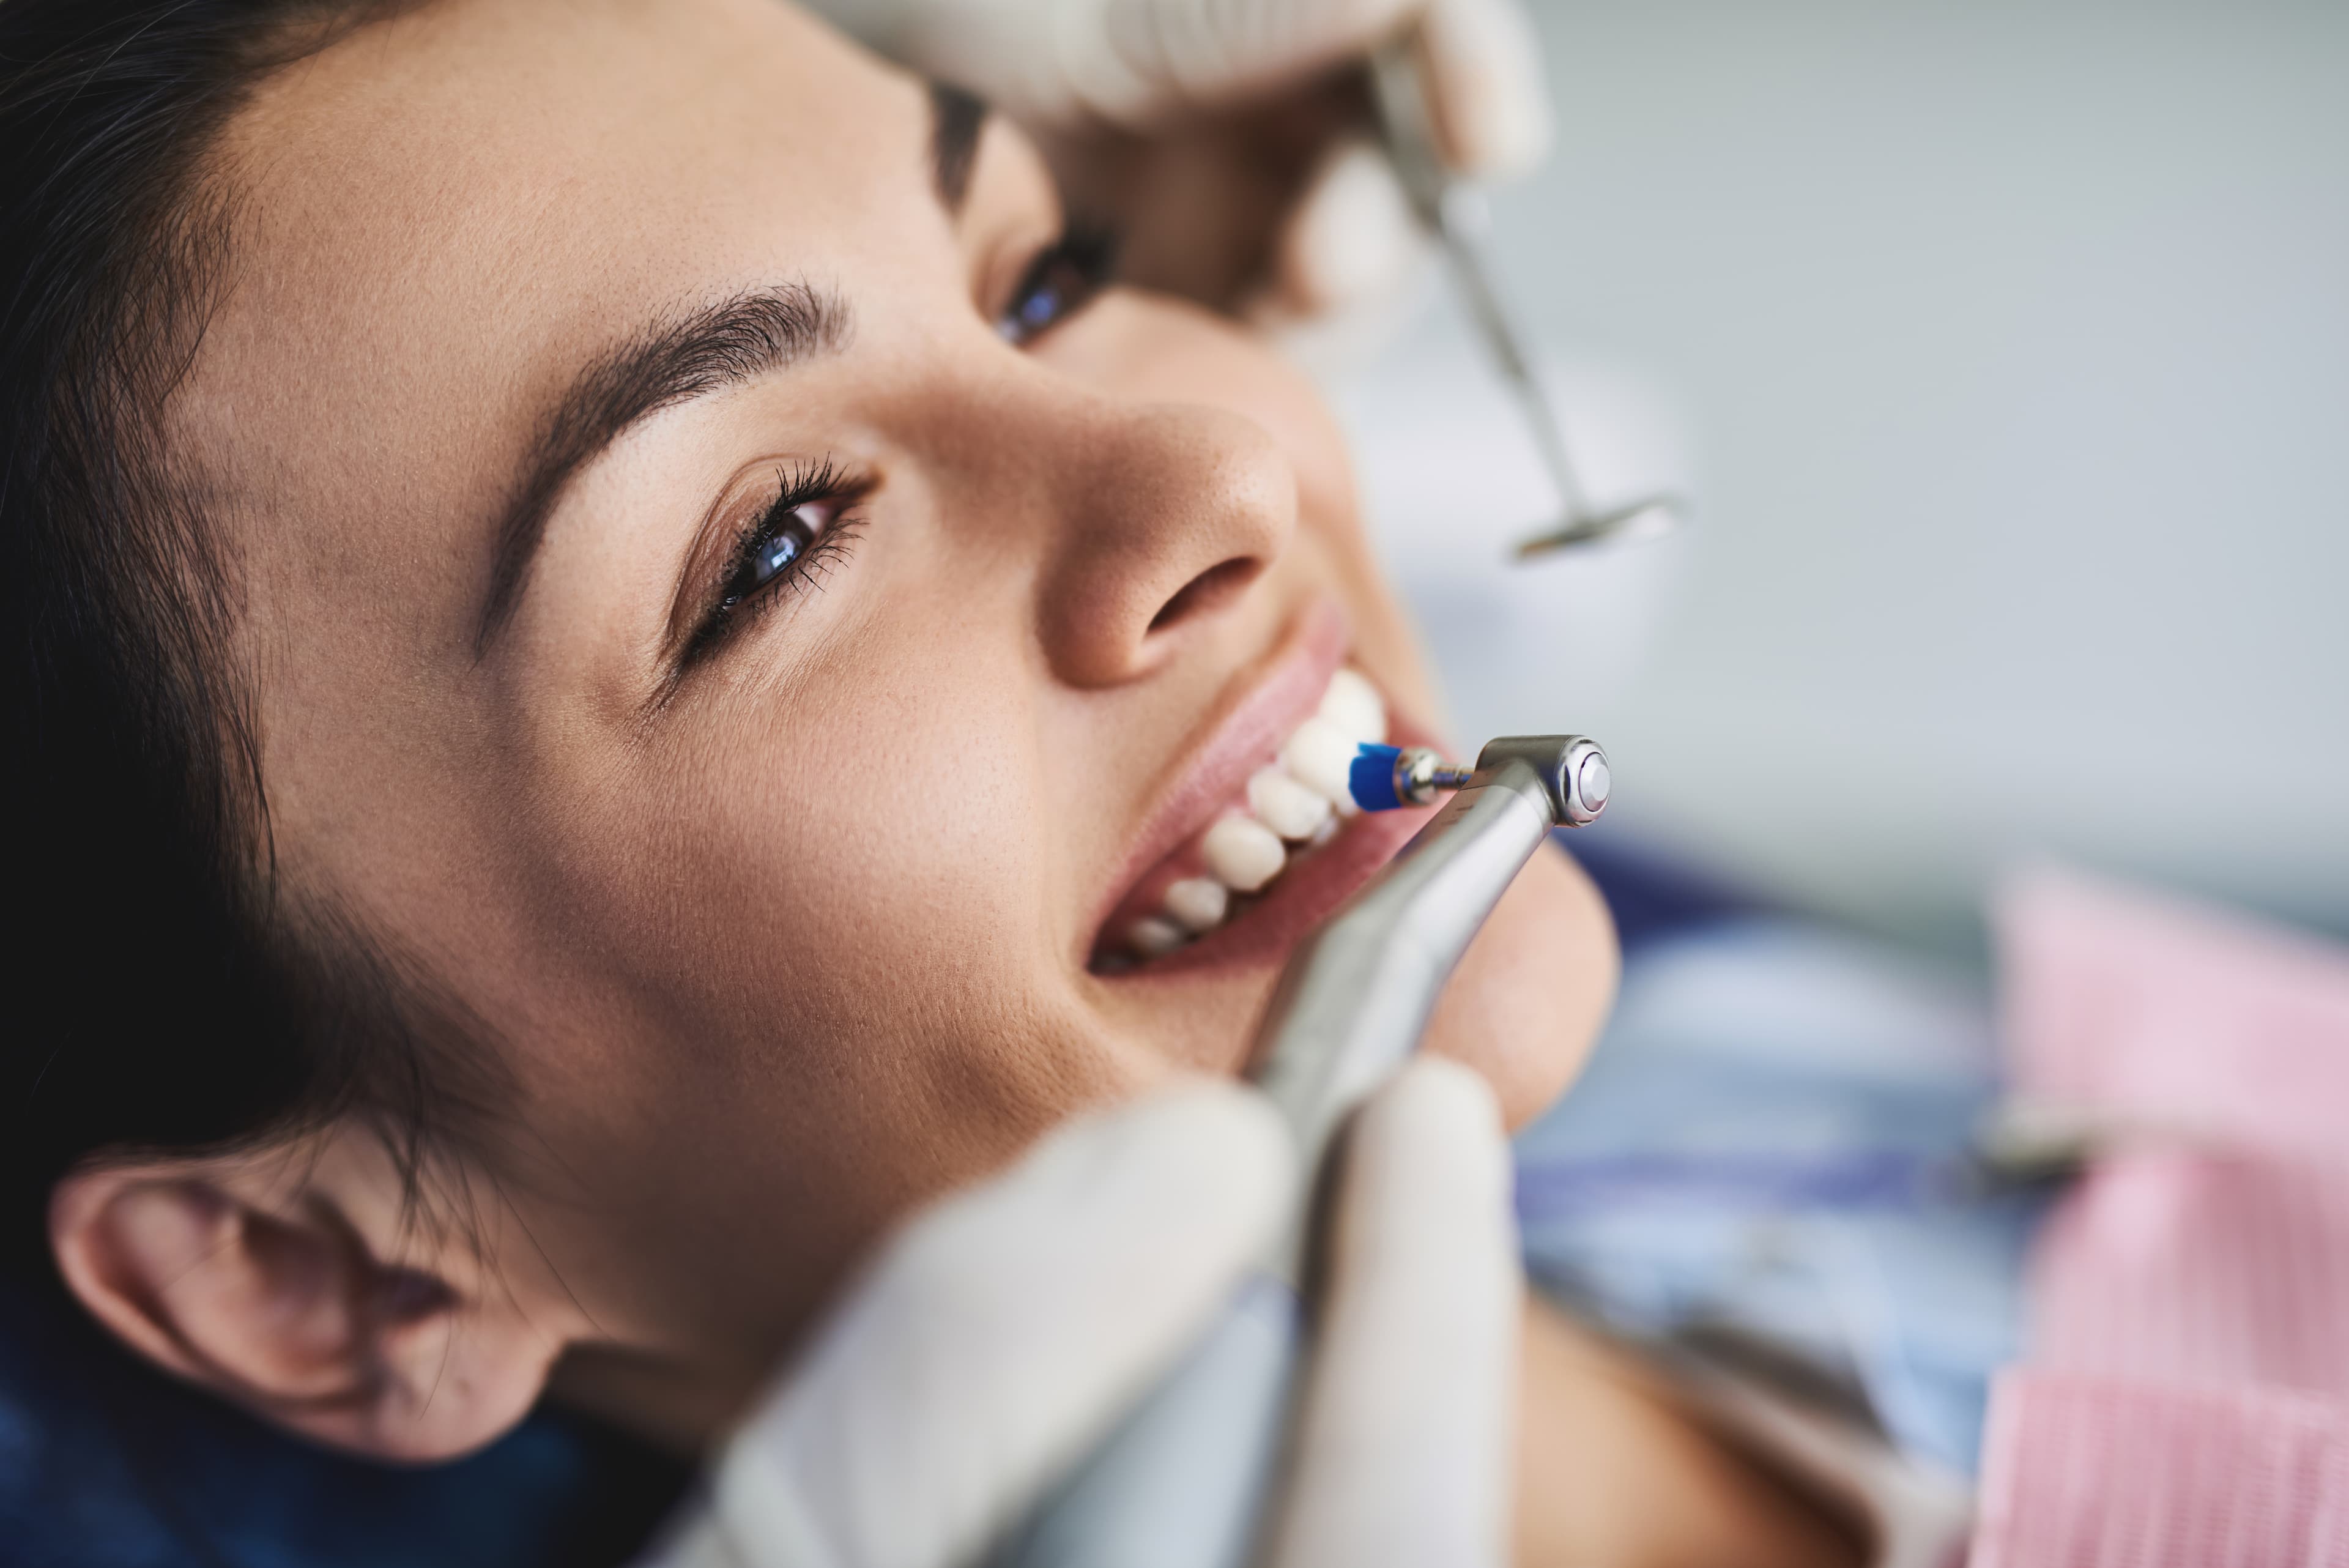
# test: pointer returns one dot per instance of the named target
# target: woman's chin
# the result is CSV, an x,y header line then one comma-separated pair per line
x,y
1526,1002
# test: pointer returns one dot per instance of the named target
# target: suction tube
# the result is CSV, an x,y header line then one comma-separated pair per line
x,y
1180,1483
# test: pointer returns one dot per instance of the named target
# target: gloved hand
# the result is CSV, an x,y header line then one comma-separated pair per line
x,y
1006,1329
1225,136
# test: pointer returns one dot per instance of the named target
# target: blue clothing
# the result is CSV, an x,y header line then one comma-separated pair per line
x,y
1771,1136
106,1464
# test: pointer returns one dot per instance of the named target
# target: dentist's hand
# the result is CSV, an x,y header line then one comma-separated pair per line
x,y
1228,137
1006,1329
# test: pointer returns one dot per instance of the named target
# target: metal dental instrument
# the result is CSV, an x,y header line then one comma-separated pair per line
x,y
1183,1481
1384,778
1355,997
1455,214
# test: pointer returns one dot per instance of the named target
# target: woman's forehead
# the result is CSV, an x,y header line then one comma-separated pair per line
x,y
441,217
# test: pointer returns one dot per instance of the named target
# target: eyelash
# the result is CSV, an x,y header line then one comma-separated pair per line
x,y
731,606
1064,277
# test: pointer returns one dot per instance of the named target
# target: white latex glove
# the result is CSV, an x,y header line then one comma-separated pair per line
x,y
1347,242
1006,1329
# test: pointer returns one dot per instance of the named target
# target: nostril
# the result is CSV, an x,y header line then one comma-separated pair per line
x,y
1206,592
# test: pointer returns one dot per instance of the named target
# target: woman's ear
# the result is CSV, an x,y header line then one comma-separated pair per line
x,y
294,1284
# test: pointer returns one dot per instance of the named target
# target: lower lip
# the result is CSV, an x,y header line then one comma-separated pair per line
x,y
1268,928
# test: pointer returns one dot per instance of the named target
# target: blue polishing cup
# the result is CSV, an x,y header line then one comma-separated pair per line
x,y
1371,780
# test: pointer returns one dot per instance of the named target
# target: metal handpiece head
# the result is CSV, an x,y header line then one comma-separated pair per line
x,y
1572,769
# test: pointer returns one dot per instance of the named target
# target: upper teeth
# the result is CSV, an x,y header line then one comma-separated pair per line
x,y
1320,756
1285,807
1354,705
1296,798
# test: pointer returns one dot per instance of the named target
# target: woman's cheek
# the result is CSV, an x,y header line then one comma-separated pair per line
x,y
1525,1005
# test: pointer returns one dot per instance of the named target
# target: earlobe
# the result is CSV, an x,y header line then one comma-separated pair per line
x,y
268,1294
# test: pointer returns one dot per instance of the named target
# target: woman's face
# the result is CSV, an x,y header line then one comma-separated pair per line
x,y
763,690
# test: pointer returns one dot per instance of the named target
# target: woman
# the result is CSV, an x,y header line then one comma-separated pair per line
x,y
631,664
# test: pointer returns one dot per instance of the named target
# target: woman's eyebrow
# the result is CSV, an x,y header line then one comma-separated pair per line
x,y
662,364
957,118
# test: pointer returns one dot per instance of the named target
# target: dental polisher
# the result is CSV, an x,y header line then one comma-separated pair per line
x,y
1181,1481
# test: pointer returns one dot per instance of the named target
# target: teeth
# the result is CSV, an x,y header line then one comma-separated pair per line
x,y
1285,807
1243,854
1301,798
1353,707
1320,756
1198,904
1154,937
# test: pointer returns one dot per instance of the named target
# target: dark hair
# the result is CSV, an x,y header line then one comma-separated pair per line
x,y
164,991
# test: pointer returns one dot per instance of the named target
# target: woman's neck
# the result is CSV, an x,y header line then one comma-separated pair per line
x,y
685,1410
1613,1473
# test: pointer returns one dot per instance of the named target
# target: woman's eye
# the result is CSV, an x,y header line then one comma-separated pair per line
x,y
782,539
796,539
1060,281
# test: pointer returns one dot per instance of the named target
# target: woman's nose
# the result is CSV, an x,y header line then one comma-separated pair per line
x,y
1168,514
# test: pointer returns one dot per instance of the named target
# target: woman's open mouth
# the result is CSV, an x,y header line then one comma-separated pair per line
x,y
1260,863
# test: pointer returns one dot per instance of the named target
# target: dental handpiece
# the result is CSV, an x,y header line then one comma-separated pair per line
x,y
1182,1482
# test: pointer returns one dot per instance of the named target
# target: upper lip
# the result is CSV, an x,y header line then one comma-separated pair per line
x,y
1260,713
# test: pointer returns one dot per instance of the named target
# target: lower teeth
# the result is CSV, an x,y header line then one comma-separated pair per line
x,y
1154,937
1198,904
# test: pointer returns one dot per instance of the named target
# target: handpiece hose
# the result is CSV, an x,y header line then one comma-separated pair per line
x,y
1180,1484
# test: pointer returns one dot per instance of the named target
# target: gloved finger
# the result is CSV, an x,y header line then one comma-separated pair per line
x,y
1402,1452
1482,63
1002,1332
1133,60
1058,62
1351,243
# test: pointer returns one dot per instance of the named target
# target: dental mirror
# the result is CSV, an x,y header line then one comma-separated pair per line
x,y
1455,214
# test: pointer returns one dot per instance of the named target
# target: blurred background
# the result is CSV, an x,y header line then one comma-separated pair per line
x,y
2005,350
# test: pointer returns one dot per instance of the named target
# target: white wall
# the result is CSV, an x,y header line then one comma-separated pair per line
x,y
2006,349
